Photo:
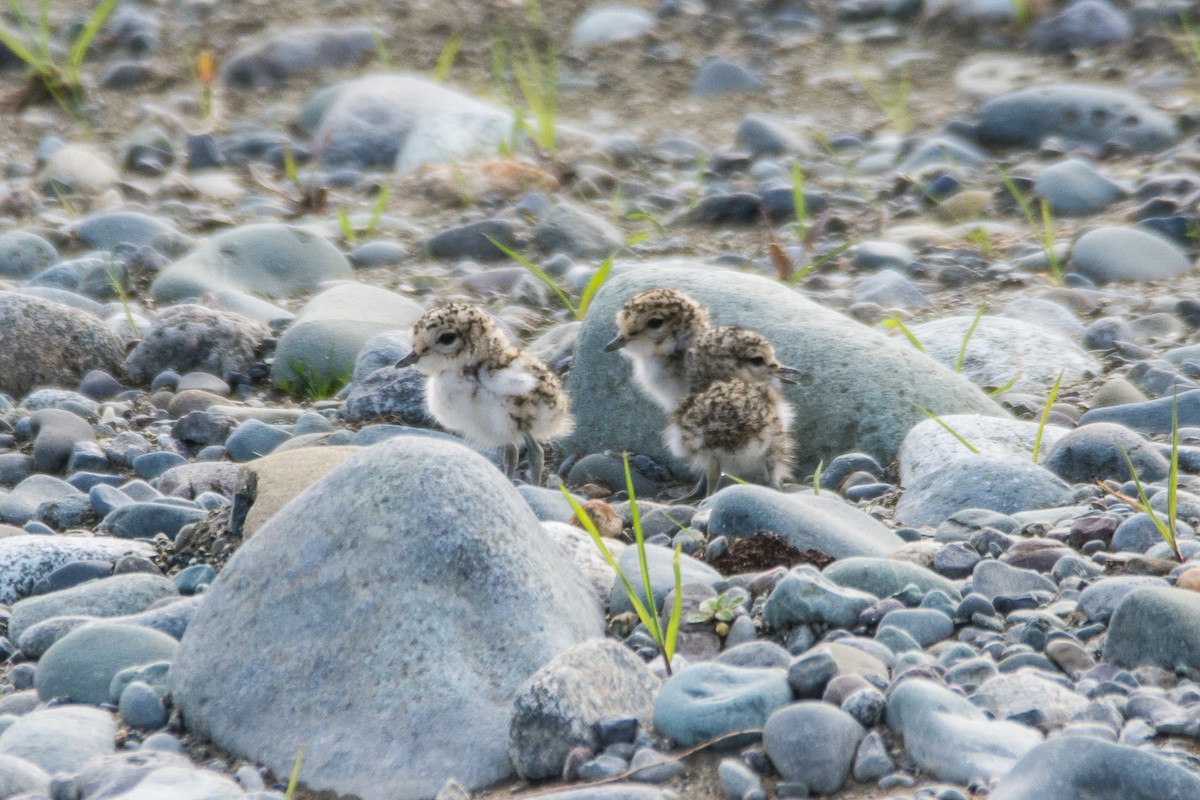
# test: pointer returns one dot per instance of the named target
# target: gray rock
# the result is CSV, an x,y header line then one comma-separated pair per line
x,y
18,776
1027,695
254,439
43,343
1123,253
704,701
1087,768
152,772
717,75
56,432
851,372
872,761
1085,114
111,597
556,710
265,258
441,528
889,288
806,597
659,562
20,505
141,707
322,343
566,228
287,53
819,522
950,738
924,625
883,577
401,122
612,791
1151,416
36,639
1099,600
1156,626
106,230
24,254
996,484
1073,188
738,780
994,579
191,337
1001,349
60,739
813,743
1137,534
609,24
1093,452
80,666
27,559
757,653
145,520
1082,24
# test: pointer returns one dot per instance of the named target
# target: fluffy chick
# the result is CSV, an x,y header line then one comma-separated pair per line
x,y
484,388
654,330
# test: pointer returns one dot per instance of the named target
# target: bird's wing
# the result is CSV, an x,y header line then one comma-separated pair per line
x,y
511,380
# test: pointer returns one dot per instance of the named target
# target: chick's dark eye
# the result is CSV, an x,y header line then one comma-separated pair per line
x,y
758,361
654,323
447,338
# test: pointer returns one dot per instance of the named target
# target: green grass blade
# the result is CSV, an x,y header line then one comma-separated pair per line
x,y
585,519
593,286
538,272
380,206
347,228
962,351
1167,533
945,425
1019,196
897,324
820,262
676,613
19,48
799,201
817,477
655,629
999,390
446,58
1173,476
1037,440
1048,243
80,46
295,777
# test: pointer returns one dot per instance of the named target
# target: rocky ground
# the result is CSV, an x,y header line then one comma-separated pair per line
x,y
233,540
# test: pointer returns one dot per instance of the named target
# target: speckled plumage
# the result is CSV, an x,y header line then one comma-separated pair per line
x,y
484,388
655,330
734,419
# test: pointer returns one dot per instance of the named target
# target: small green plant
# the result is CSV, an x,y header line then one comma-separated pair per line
x,y
348,231
962,351
381,50
893,96
1037,440
817,478
1022,12
446,58
1165,529
294,780
1041,223
980,238
60,82
313,383
701,170
646,612
947,427
593,285
720,610
897,324
799,203
999,390
537,78
819,262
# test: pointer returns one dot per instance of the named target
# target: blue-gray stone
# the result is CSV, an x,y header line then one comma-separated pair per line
x,y
977,481
73,573
1151,416
426,518
1093,452
377,254
922,624
1082,24
151,465
1073,188
1138,533
804,596
890,289
1123,253
949,737
1088,768
813,743
473,240
269,61
106,230
60,739
855,373
806,521
759,653
994,579
192,337
885,577
659,561
190,579
154,675
254,439
141,707
19,505
707,700
1077,113
717,75
23,254
1156,626
112,597
144,520
609,24
80,666
56,433
25,559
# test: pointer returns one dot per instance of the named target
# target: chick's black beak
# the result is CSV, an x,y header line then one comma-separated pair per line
x,y
616,344
785,374
408,360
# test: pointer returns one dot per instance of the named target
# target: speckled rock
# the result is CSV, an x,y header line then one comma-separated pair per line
x,y
43,343
192,337
26,559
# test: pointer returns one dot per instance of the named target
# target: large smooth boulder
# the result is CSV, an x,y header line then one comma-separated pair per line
x,y
1087,768
416,584
929,446
323,341
997,484
265,258
43,343
61,738
1157,626
857,391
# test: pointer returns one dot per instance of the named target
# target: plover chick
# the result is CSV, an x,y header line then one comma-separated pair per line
x,y
485,389
734,419
654,330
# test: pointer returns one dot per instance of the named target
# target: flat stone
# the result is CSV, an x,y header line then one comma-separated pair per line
x,y
708,700
996,484
812,743
111,597
1123,253
884,577
804,597
60,739
929,446
994,579
80,666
